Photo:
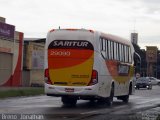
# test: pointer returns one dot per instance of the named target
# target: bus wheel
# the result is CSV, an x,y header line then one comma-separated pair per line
x,y
71,101
125,98
110,98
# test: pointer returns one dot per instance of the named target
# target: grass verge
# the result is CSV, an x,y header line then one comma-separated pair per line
x,y
12,92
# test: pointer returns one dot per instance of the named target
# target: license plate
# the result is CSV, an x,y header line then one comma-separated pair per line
x,y
69,89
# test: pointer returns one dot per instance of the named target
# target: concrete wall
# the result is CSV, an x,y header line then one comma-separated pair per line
x,y
11,55
34,63
13,49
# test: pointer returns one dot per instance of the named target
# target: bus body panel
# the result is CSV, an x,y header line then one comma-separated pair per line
x,y
120,73
66,67
54,90
70,60
72,78
104,78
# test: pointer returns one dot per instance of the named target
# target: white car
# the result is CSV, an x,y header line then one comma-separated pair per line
x,y
154,81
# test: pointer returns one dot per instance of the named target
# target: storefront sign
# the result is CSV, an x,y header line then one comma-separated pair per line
x,y
37,59
7,30
151,54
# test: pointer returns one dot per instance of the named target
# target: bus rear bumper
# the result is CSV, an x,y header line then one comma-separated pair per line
x,y
53,90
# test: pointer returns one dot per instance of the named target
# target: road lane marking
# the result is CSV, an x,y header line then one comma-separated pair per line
x,y
90,112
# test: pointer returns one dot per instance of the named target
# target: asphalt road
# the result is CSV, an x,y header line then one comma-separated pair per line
x,y
144,104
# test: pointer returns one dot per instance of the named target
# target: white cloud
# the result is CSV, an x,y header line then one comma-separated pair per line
x,y
35,17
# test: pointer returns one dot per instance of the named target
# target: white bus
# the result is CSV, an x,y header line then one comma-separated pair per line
x,y
89,65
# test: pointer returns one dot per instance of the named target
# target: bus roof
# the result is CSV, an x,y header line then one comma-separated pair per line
x,y
107,36
115,38
72,29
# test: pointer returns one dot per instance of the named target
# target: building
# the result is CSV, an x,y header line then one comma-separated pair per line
x,y
151,58
33,62
11,46
134,38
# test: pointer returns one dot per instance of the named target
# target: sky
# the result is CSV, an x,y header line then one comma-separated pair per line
x,y
119,17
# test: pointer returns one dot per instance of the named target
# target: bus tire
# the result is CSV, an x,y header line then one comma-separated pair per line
x,y
130,89
71,101
110,98
125,98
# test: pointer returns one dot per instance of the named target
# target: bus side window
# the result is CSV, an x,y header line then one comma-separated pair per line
x,y
130,55
101,44
118,52
111,47
107,49
127,54
115,51
103,48
122,48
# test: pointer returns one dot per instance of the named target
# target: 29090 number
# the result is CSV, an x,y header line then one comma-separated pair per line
x,y
60,53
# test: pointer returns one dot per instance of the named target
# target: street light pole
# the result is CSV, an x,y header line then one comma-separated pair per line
x,y
139,60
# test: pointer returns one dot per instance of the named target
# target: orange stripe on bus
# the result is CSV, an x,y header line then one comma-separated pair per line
x,y
60,58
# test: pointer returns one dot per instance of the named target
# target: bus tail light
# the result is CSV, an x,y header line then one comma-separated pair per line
x,y
52,30
47,78
94,78
71,29
91,31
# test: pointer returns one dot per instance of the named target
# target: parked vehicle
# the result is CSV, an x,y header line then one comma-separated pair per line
x,y
143,82
154,81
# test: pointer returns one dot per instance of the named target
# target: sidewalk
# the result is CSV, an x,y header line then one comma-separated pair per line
x,y
16,88
10,88
6,92
151,114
